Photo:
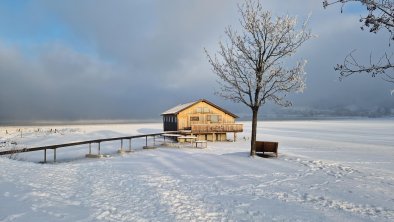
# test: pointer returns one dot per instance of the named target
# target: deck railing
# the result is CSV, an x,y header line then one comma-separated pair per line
x,y
217,128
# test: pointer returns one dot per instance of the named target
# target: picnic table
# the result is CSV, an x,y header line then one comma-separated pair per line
x,y
185,138
171,135
203,143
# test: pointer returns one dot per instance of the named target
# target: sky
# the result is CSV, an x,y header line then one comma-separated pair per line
x,y
131,60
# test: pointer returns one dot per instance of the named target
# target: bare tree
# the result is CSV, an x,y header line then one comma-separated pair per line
x,y
250,63
380,17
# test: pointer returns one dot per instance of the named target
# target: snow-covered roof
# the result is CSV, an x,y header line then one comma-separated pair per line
x,y
181,107
178,108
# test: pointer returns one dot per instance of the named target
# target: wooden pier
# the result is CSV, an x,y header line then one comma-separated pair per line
x,y
90,142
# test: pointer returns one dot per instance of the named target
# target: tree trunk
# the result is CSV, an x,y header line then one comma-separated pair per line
x,y
254,131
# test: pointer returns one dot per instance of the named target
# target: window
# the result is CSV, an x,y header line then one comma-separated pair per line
x,y
194,118
214,118
168,119
202,110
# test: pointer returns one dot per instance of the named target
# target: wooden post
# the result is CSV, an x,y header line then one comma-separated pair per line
x,y
45,155
121,145
99,148
130,144
235,136
54,155
154,140
146,141
213,137
90,148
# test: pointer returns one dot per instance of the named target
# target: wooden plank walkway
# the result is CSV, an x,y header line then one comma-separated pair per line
x,y
98,141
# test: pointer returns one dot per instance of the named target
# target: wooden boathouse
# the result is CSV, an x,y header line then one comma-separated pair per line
x,y
202,119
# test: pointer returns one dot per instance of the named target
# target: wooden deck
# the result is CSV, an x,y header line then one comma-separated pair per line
x,y
216,128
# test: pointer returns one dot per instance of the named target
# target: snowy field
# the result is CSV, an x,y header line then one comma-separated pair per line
x,y
334,170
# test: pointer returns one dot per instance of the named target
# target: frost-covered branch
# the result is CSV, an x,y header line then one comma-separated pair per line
x,y
380,16
382,67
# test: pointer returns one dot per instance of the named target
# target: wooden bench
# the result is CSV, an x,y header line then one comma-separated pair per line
x,y
203,143
264,146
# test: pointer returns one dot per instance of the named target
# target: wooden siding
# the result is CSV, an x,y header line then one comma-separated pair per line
x,y
202,113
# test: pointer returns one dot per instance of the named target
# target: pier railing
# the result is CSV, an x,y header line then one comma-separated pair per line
x,y
95,141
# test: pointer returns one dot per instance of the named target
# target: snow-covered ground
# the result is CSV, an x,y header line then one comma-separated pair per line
x,y
339,170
